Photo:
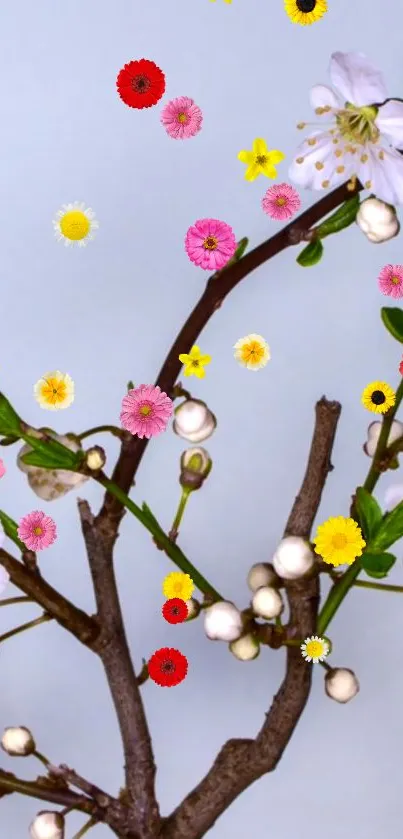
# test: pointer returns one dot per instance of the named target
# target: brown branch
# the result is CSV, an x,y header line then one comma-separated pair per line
x,y
70,776
241,762
114,653
62,610
45,791
217,289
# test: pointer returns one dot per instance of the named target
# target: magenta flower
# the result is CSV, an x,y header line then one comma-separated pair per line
x,y
37,531
181,118
281,201
3,469
210,243
390,280
146,411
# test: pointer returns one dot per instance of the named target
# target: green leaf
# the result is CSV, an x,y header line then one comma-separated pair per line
x,y
50,454
369,512
10,422
393,320
9,441
377,564
389,531
311,255
343,217
10,528
130,385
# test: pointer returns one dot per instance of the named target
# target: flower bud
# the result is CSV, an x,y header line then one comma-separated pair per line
x,y
262,574
95,458
246,648
377,220
50,484
193,608
194,421
195,467
47,824
374,430
18,741
341,684
4,575
293,558
267,603
223,622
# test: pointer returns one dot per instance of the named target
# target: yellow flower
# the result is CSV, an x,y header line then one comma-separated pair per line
x,y
305,11
260,160
378,397
252,352
75,224
54,390
178,585
195,362
225,1
315,649
339,541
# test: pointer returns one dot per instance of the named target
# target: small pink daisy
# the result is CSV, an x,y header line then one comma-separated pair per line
x,y
37,531
146,411
181,118
210,243
390,280
3,469
281,202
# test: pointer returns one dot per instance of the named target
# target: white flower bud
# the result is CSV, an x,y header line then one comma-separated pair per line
x,y
223,622
293,558
261,574
377,220
374,430
196,465
245,648
193,608
48,824
18,741
267,603
341,684
194,421
95,458
4,575
50,484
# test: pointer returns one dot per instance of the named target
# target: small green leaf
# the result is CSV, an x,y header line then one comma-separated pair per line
x,y
369,512
393,320
130,385
389,531
377,564
10,422
311,255
10,528
9,441
342,218
50,454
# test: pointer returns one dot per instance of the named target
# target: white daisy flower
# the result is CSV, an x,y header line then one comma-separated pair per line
x,y
315,649
362,139
75,224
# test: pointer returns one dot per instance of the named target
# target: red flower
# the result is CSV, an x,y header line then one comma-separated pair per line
x,y
140,84
167,667
401,367
175,610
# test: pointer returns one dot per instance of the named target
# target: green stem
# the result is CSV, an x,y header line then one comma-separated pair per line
x,y
11,600
180,511
24,627
341,588
380,586
87,826
170,548
41,757
100,429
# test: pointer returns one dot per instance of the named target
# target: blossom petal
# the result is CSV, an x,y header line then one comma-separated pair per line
x,y
385,175
390,122
259,146
322,96
276,156
252,172
246,156
358,81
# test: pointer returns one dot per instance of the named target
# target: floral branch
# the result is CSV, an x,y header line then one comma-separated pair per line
x,y
217,289
44,790
241,762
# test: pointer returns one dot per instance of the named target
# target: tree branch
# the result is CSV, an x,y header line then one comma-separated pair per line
x,y
113,650
217,289
42,789
241,762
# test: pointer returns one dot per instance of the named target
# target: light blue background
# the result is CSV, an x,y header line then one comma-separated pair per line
x,y
110,312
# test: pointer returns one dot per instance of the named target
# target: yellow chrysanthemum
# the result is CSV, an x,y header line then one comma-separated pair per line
x,y
194,362
315,649
54,390
260,161
305,12
378,397
339,541
75,224
178,585
252,351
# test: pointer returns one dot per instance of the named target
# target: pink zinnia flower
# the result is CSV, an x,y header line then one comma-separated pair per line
x,y
145,411
390,280
281,201
37,531
181,118
210,243
3,469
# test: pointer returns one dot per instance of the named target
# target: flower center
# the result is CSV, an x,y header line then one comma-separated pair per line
x,y
145,410
314,649
306,5
261,159
357,125
378,398
38,531
195,362
141,84
74,225
339,541
253,352
210,243
281,201
182,117
168,666
178,587
395,280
